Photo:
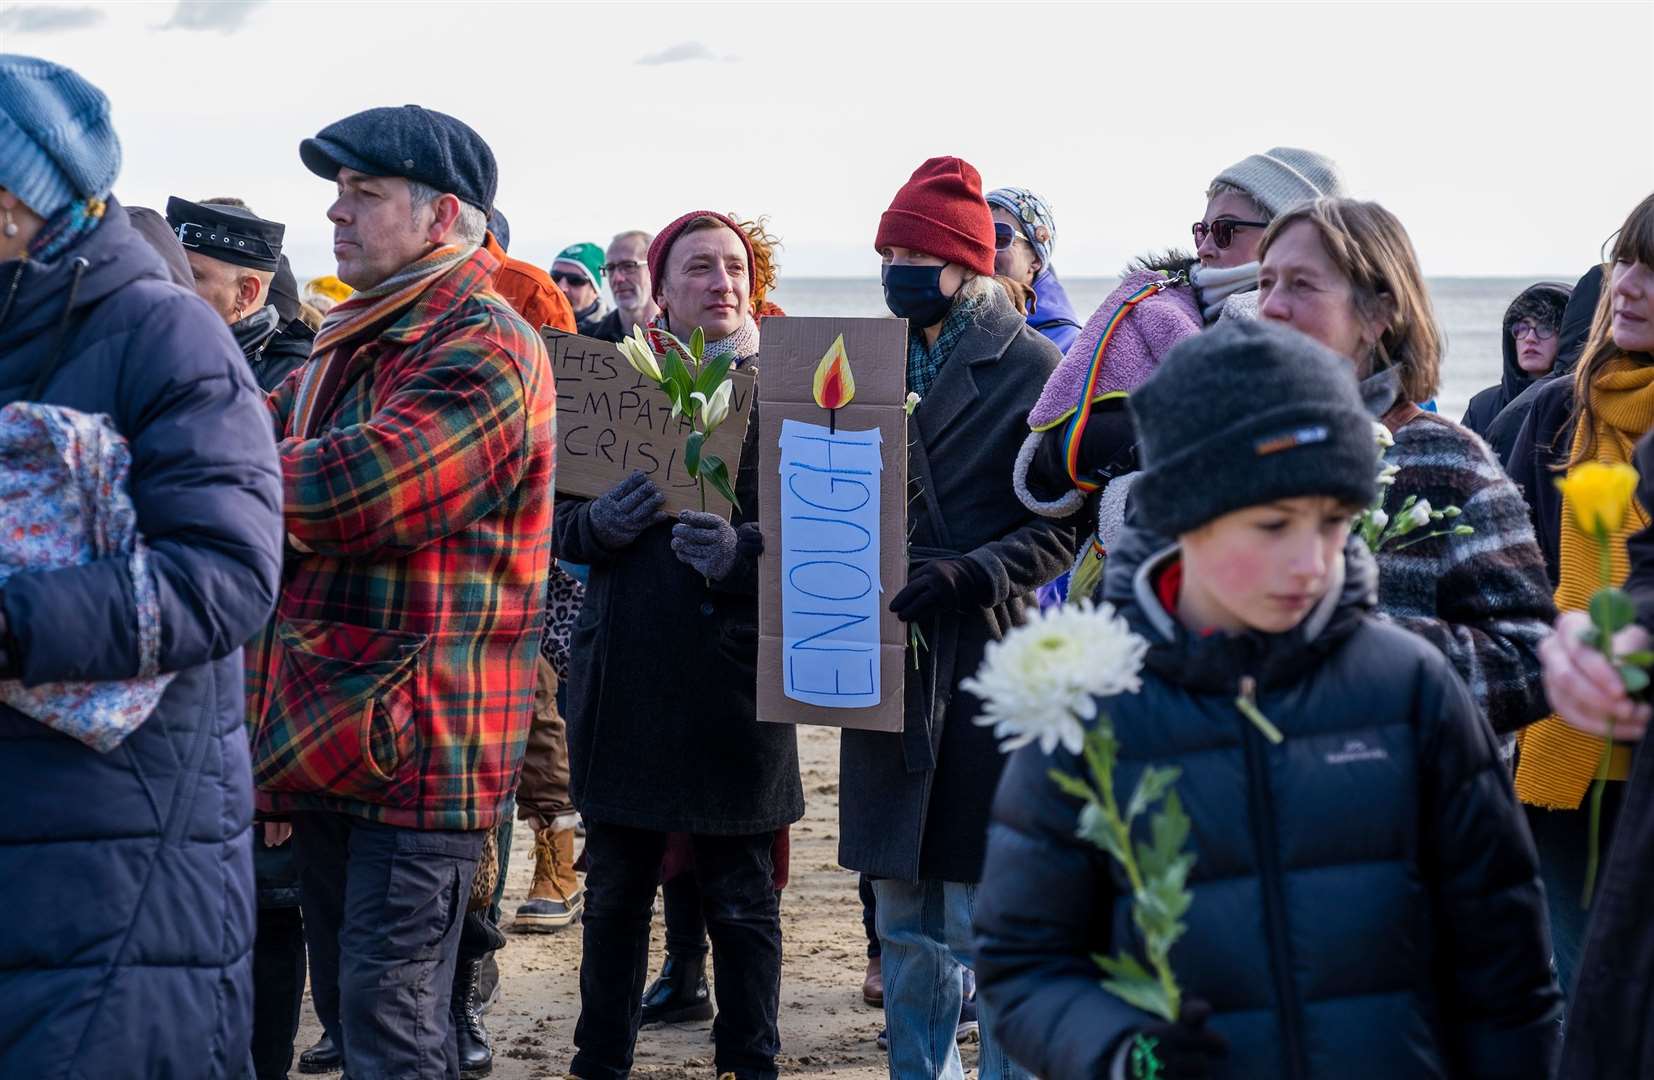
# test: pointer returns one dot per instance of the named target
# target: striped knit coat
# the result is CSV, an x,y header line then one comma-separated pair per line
x,y
1484,599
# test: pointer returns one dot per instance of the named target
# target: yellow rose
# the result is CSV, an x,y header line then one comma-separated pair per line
x,y
1599,495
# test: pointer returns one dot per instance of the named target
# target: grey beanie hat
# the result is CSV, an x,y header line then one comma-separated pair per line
x,y
1283,177
1243,414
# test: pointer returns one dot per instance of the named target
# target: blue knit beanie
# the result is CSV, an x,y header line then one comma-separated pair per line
x,y
56,145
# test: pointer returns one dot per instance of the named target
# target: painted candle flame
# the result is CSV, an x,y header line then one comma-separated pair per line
x,y
835,385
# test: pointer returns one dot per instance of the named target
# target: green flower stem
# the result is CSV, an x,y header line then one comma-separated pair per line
x,y
1605,635
1104,782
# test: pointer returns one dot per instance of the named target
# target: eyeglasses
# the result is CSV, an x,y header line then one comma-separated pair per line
x,y
1005,236
1540,333
1223,230
569,279
625,266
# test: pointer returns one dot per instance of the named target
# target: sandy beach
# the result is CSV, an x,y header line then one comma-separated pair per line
x,y
826,1030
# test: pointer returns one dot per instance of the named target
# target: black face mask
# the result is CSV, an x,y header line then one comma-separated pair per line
x,y
914,293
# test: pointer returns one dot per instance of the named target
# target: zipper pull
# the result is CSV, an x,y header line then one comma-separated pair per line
x,y
1247,703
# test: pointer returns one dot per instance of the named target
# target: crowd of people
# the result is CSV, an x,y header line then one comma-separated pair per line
x,y
295,626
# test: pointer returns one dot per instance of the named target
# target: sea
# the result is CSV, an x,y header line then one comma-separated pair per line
x,y
1470,311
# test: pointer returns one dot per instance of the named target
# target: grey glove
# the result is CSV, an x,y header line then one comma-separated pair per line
x,y
705,542
619,515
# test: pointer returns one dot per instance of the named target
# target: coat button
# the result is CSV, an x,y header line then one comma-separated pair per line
x,y
707,608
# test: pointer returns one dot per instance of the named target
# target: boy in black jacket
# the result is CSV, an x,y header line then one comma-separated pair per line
x,y
1366,900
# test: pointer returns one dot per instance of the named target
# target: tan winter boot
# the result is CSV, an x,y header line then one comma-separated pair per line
x,y
555,899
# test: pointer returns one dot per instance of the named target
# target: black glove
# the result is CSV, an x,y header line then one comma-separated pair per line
x,y
1185,1050
619,515
749,541
943,585
10,662
1108,448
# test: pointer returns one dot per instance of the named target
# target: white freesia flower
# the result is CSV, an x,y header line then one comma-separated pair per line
x,y
1382,434
911,403
1379,519
1042,681
1420,513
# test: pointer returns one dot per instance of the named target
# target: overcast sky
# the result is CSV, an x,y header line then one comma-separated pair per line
x,y
1509,138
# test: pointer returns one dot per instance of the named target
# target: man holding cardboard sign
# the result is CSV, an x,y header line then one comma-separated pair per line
x,y
662,732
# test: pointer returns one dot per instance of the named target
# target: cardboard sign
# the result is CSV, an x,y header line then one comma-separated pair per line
x,y
611,420
833,506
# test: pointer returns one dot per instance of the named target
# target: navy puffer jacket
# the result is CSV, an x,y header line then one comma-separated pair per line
x,y
125,943
1366,903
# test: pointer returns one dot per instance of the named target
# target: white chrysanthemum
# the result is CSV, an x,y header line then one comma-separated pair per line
x,y
1043,679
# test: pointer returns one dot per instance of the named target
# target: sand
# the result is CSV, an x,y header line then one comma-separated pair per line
x,y
826,1030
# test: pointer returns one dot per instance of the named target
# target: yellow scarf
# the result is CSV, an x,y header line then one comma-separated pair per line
x,y
1559,762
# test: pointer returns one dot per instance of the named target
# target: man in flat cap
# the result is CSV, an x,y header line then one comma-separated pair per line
x,y
234,255
395,687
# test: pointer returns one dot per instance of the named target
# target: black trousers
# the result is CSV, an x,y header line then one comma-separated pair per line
x,y
383,908
743,918
278,990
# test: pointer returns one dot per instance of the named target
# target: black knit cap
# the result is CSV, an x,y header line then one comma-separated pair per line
x,y
1244,414
412,142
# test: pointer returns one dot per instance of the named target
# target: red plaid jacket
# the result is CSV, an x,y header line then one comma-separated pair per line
x,y
396,680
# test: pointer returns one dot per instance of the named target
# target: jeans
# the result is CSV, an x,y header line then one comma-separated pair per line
x,y
743,918
278,990
383,909
925,932
682,910
1563,838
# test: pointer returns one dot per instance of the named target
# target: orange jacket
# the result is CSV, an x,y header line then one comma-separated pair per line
x,y
530,290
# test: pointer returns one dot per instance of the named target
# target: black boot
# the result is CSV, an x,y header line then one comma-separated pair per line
x,y
680,994
324,1057
476,1057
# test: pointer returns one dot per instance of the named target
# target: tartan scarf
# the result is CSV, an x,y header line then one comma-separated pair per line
x,y
349,321
1558,762
924,363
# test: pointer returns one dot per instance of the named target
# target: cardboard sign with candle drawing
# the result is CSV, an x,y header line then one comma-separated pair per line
x,y
833,503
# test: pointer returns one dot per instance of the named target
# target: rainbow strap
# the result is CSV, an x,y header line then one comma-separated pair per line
x,y
1088,396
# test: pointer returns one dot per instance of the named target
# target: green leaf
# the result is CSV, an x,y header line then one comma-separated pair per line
x,y
1123,966
697,344
1095,827
1150,786
1169,831
1641,658
1635,678
716,473
672,369
692,454
1612,610
713,374
1145,994
1070,785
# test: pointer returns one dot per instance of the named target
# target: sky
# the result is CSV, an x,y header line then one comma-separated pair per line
x,y
1510,139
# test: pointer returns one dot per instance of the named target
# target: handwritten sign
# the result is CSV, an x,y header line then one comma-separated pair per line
x,y
833,506
611,420
830,587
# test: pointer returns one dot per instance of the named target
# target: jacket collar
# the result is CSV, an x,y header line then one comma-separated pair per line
x,y
473,274
996,326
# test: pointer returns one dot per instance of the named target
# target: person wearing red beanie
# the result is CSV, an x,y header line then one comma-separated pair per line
x,y
913,806
662,731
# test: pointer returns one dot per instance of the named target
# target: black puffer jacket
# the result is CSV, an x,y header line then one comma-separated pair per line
x,y
1366,901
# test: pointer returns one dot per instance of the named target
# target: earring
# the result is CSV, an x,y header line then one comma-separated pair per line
x,y
10,228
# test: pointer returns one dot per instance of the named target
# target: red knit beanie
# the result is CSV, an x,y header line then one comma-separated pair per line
x,y
940,211
668,236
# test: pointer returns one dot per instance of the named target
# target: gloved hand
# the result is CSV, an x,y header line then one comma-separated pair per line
x,y
707,543
619,515
1185,1050
943,585
749,541
10,662
1108,448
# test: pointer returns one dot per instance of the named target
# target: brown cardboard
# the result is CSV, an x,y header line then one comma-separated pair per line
x,y
611,420
877,351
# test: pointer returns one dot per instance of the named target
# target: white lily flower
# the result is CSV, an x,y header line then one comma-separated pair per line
x,y
640,356
715,410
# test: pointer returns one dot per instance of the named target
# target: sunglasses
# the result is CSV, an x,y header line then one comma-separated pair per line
x,y
626,266
1223,230
1540,333
569,279
1005,236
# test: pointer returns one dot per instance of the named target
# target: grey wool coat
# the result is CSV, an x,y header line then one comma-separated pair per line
x,y
914,805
